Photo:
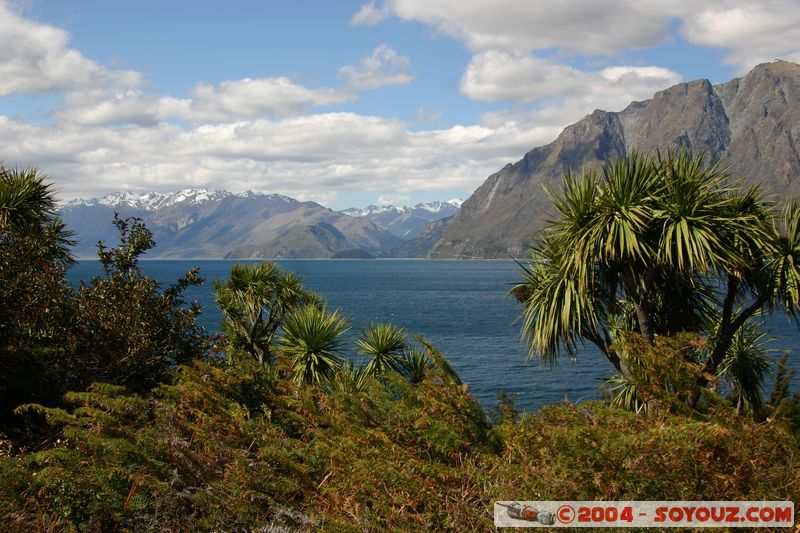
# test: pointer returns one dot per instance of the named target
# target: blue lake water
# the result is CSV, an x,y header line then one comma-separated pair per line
x,y
462,307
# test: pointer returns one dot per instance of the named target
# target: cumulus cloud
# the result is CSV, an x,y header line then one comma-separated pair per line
x,y
752,32
252,97
369,15
384,66
234,100
505,34
511,25
35,58
228,101
498,76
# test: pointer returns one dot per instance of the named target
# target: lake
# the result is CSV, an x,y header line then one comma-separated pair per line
x,y
462,307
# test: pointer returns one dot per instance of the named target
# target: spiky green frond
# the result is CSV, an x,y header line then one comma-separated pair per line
x,y
255,301
560,306
651,235
26,200
386,343
784,266
626,204
311,341
746,365
414,365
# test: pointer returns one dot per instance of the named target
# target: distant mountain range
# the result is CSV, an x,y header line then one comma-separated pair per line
x,y
751,123
194,223
406,222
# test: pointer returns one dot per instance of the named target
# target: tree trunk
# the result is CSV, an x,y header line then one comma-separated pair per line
x,y
645,325
639,295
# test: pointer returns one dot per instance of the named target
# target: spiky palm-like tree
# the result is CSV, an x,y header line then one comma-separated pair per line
x,y
28,213
311,342
745,367
648,242
25,199
386,343
414,366
255,301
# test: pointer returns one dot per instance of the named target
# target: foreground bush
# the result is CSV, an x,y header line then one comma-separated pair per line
x,y
594,452
235,447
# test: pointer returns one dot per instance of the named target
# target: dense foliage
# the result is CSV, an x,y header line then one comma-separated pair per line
x,y
120,328
117,416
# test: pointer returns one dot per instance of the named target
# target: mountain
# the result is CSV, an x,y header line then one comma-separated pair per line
x,y
406,222
200,223
751,123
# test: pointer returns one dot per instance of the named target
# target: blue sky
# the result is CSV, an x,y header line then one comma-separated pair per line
x,y
344,103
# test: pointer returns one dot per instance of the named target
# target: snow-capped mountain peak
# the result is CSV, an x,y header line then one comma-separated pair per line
x,y
152,201
373,210
406,221
449,207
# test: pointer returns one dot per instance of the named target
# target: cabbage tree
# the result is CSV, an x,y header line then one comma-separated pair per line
x,y
658,245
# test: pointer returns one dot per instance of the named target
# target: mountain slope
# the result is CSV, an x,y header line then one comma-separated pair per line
x,y
751,123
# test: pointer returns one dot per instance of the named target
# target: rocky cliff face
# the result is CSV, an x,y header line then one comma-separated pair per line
x,y
751,123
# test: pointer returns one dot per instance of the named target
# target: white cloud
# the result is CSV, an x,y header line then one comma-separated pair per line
x,y
383,67
393,199
369,15
752,32
35,58
499,76
512,25
254,97
227,102
504,33
234,100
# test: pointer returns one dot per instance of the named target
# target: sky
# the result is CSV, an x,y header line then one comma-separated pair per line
x,y
343,103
